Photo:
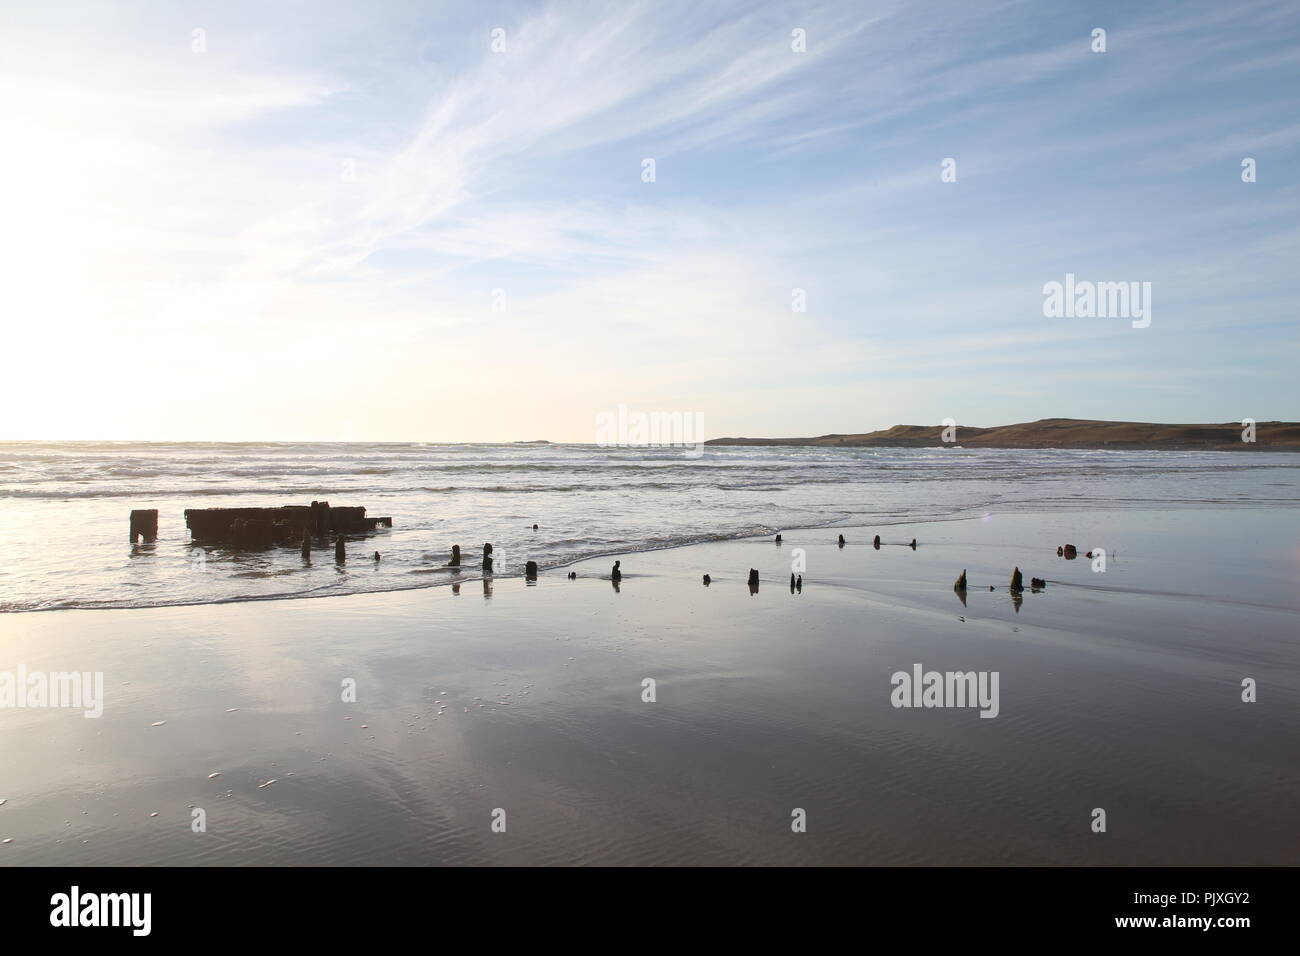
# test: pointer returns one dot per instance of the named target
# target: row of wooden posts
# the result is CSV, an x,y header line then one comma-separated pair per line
x,y
270,525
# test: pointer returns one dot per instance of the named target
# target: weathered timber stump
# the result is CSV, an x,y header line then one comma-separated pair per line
x,y
144,524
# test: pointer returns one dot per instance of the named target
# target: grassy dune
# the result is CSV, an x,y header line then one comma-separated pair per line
x,y
1061,433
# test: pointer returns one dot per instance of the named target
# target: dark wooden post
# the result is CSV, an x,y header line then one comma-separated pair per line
x,y
144,523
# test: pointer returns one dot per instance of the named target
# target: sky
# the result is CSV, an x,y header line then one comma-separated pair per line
x,y
424,221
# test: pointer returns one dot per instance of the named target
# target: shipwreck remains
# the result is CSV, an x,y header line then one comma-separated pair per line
x,y
286,525
144,524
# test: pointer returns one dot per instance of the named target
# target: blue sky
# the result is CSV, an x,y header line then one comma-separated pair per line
x,y
300,231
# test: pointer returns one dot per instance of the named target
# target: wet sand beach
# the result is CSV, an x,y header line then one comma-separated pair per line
x,y
1118,690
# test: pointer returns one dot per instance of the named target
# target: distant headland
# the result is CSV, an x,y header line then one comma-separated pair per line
x,y
1062,433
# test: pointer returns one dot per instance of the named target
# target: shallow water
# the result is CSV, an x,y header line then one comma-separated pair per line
x,y
64,506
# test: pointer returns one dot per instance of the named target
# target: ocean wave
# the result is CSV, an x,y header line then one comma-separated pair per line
x,y
588,502
261,493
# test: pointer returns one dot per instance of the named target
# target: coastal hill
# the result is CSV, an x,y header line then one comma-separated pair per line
x,y
1061,433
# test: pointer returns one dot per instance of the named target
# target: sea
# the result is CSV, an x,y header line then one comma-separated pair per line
x,y
64,506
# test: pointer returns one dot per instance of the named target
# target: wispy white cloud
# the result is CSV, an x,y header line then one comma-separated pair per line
x,y
371,175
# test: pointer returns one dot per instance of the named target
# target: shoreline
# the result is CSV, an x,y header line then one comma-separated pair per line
x,y
528,696
471,575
